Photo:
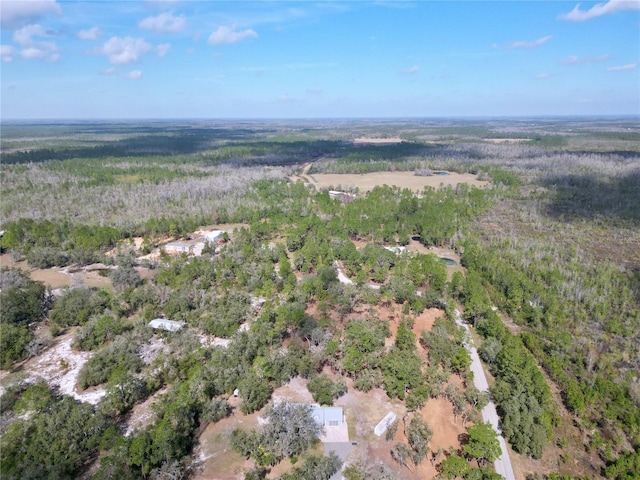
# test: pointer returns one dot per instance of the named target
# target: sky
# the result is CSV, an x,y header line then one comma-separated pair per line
x,y
152,59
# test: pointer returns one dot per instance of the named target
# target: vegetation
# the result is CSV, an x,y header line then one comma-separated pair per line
x,y
549,282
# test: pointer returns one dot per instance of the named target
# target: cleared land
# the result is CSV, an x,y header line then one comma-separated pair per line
x,y
366,182
377,141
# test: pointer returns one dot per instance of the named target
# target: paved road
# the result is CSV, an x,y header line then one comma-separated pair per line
x,y
489,414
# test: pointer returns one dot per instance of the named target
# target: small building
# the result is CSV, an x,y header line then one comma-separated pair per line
x,y
214,236
385,423
344,197
164,324
328,416
178,247
189,247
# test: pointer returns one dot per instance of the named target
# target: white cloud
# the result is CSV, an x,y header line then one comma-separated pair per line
x,y
134,74
7,52
24,35
16,13
109,71
620,68
531,44
315,91
226,34
612,6
35,49
411,71
89,34
162,49
123,51
575,60
543,75
164,23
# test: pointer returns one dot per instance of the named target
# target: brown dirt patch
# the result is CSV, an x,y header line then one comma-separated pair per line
x,y
214,454
366,182
295,391
57,277
438,413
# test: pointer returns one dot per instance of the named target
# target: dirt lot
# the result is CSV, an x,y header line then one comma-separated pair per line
x,y
366,182
214,454
57,277
377,141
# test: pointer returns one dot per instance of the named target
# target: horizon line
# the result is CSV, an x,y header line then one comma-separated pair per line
x,y
271,119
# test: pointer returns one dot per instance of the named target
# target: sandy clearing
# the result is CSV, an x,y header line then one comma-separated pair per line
x,y
142,415
59,366
438,413
295,391
377,141
215,456
56,277
366,182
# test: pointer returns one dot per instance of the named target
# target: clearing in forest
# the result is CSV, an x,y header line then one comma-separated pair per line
x,y
367,181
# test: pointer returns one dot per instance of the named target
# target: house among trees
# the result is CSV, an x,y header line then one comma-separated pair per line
x,y
396,250
328,416
188,247
164,324
214,236
344,197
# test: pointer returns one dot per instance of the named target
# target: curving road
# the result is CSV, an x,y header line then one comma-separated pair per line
x,y
489,414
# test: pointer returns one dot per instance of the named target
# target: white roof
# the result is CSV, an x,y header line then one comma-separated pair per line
x,y
213,234
323,415
164,324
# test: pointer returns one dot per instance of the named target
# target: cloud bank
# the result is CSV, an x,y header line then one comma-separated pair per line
x,y
612,6
16,14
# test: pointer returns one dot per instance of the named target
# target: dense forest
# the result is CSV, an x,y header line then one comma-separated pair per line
x,y
548,281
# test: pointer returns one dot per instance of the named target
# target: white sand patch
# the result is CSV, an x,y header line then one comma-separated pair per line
x,y
152,349
211,341
59,366
378,141
142,415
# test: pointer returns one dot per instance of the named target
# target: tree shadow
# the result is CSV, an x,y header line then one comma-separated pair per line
x,y
591,196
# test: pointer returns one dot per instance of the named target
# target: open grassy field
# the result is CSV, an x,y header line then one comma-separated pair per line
x,y
368,181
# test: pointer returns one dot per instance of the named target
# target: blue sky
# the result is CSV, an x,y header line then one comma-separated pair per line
x,y
313,59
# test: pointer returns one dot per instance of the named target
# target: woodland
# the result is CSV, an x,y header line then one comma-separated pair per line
x,y
549,283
